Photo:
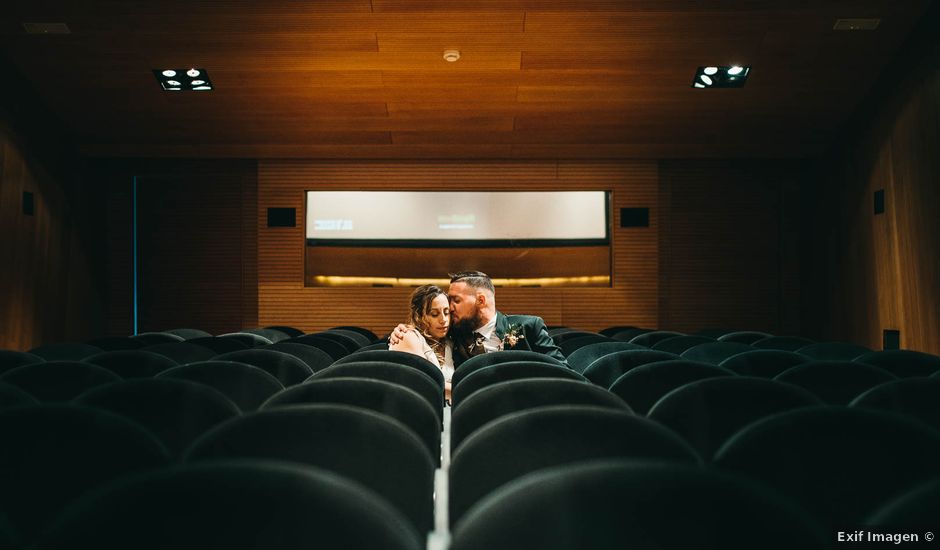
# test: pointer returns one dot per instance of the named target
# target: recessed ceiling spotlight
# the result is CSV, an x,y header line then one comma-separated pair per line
x,y
183,79
451,55
721,76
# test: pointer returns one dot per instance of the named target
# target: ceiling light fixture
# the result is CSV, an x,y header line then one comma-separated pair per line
x,y
183,79
451,55
721,76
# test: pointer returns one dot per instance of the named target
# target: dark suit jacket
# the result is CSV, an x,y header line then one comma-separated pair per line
x,y
535,337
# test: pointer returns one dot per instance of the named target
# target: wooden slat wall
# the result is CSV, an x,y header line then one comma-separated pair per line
x,y
729,245
196,246
282,298
879,272
49,289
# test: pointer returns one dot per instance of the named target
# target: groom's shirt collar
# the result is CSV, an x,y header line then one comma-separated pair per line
x,y
488,331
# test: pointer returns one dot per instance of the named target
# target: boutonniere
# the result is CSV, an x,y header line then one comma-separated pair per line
x,y
512,337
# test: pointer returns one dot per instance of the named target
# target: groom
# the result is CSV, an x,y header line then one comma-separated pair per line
x,y
478,328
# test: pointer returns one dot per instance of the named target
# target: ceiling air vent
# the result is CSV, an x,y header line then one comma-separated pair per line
x,y
46,28
856,24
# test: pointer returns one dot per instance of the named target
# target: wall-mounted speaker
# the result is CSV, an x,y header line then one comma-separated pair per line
x,y
634,217
282,217
28,203
891,339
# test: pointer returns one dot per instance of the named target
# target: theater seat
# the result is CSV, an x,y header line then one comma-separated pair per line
x,y
176,411
383,397
707,412
58,381
246,385
478,362
763,363
902,363
714,352
642,386
51,454
531,440
650,338
833,351
678,344
401,358
784,343
249,504
580,359
915,510
914,397
183,352
504,398
835,382
389,372
571,345
65,351
839,463
332,348
607,369
315,358
744,336
367,447
503,372
11,359
188,333
136,363
285,367
636,504
12,396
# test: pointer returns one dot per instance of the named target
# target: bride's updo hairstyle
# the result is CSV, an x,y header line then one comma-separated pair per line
x,y
421,300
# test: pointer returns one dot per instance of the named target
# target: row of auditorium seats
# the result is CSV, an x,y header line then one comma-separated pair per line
x,y
251,425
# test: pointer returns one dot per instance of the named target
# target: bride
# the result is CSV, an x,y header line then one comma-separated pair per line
x,y
430,321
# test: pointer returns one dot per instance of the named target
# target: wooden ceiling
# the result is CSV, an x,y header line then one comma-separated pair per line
x,y
346,79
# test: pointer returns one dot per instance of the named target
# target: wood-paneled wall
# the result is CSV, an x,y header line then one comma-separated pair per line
x,y
196,246
632,297
729,239
50,290
721,248
873,272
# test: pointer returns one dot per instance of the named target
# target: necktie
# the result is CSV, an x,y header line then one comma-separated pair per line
x,y
476,347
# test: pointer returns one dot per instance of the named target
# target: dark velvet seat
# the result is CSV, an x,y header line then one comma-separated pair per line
x,y
176,411
521,443
635,504
364,446
250,504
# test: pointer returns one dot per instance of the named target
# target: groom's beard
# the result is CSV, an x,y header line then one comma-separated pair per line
x,y
463,329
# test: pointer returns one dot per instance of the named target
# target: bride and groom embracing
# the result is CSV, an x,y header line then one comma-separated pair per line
x,y
447,329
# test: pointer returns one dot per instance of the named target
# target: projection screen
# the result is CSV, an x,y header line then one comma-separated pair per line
x,y
457,218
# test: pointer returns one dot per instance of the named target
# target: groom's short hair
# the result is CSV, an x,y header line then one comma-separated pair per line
x,y
474,279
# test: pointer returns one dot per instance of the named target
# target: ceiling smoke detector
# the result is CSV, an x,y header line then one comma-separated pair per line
x,y
451,55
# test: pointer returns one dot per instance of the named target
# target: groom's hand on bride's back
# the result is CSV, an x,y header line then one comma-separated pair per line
x,y
398,334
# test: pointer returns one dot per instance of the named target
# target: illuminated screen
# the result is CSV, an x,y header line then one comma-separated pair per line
x,y
445,218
